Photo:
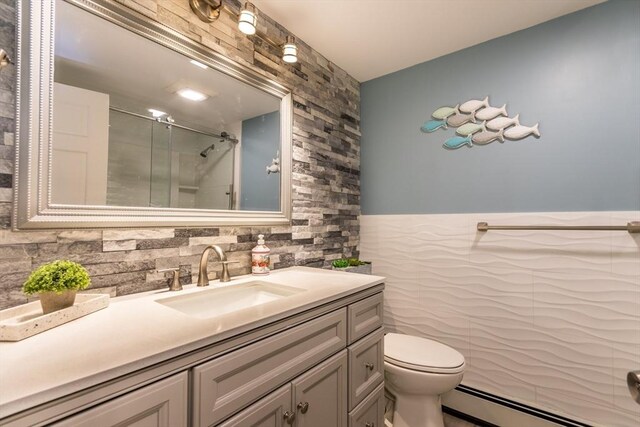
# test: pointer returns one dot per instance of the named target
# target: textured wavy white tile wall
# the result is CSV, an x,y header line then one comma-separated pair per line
x,y
547,318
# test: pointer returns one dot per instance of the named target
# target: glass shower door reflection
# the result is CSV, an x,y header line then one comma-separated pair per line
x,y
161,166
158,163
204,173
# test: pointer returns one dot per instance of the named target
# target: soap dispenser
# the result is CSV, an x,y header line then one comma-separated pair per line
x,y
260,258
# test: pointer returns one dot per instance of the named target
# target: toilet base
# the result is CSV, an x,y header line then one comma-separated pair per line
x,y
417,411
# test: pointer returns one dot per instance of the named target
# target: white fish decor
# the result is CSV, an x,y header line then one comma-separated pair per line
x,y
474,105
444,112
478,123
470,128
521,132
503,122
490,112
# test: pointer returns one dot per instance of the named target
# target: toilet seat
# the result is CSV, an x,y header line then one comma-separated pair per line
x,y
422,354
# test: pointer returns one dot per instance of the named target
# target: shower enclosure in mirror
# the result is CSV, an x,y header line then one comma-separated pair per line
x,y
142,126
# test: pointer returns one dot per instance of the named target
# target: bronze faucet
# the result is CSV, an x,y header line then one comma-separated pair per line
x,y
203,274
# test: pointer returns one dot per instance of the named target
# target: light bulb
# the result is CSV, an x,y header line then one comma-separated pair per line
x,y
247,19
290,50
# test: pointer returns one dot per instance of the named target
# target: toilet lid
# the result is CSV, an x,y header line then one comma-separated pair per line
x,y
421,354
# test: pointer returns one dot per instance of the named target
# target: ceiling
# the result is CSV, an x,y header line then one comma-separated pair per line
x,y
139,74
371,38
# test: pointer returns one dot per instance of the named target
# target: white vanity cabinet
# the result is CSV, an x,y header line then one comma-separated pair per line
x,y
322,367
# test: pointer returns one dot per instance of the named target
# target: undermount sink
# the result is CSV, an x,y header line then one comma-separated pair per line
x,y
227,299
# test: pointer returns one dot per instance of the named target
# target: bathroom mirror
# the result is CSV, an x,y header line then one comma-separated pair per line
x,y
123,122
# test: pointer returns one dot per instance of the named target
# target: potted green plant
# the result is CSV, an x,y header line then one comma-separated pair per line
x,y
57,283
352,265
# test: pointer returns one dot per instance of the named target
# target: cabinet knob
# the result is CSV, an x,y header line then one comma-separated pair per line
x,y
369,425
289,417
369,366
303,406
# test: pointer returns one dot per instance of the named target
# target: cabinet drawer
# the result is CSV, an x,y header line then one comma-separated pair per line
x,y
369,413
268,411
161,404
364,317
228,383
366,366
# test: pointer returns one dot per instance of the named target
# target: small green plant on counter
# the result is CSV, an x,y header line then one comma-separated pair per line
x,y
57,276
348,262
340,263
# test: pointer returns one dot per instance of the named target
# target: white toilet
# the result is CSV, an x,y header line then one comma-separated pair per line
x,y
417,371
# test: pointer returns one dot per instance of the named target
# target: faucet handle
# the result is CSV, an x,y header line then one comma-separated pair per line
x,y
225,276
174,284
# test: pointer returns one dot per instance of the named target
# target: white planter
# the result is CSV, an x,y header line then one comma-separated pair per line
x,y
52,301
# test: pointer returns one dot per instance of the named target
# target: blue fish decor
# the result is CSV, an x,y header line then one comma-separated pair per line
x,y
458,141
433,125
478,123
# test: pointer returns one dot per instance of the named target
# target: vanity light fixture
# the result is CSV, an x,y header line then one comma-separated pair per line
x,y
156,113
198,64
192,95
290,50
209,11
206,10
247,19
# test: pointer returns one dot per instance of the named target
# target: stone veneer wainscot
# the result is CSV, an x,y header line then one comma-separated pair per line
x,y
326,173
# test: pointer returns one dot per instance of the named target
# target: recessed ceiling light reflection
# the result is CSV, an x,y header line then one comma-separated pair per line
x,y
156,113
192,95
198,64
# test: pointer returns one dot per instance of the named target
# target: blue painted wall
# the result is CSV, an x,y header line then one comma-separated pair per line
x,y
260,142
578,75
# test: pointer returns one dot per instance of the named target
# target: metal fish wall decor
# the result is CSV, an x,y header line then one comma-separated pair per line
x,y
478,123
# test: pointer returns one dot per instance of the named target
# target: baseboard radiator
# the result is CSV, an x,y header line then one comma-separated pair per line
x,y
488,410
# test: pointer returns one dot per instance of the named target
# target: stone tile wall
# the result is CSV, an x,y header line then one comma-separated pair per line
x,y
326,177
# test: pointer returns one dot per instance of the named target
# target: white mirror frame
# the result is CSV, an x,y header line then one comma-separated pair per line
x,y
34,112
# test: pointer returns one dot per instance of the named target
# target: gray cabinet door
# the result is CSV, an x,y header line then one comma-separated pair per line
x,y
161,404
320,395
369,413
270,411
366,366
229,383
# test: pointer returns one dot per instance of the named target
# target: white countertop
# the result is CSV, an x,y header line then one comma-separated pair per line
x,y
135,332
